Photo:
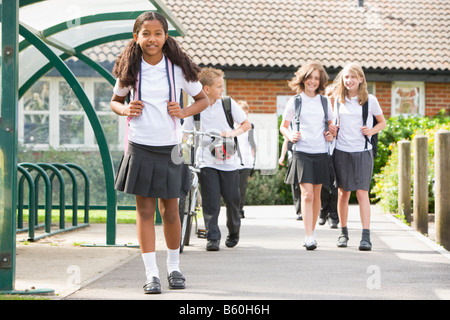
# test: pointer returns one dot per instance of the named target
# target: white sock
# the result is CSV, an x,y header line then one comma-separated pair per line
x,y
151,269
173,260
309,239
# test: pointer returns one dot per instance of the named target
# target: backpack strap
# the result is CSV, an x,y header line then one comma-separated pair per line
x,y
298,110
365,114
226,103
170,71
325,110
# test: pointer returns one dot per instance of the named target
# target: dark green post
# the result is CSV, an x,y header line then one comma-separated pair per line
x,y
8,143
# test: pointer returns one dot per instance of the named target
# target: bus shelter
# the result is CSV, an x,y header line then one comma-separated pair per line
x,y
36,36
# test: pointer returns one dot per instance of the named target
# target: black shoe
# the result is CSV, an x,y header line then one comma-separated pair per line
x,y
333,222
241,214
153,286
212,245
299,217
176,280
311,246
342,241
232,240
322,217
365,245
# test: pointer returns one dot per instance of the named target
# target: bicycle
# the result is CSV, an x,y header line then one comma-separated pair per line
x,y
191,204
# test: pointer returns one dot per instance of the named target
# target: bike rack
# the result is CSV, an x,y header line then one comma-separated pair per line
x,y
33,184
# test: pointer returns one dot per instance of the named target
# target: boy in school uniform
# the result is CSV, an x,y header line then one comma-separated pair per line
x,y
218,177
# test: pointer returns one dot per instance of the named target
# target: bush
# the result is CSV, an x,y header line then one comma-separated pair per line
x,y
268,189
385,188
90,161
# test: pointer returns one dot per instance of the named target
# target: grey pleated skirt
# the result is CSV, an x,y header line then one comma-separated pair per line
x,y
308,168
152,172
353,169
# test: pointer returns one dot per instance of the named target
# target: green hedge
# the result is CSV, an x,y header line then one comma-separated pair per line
x,y
385,188
262,189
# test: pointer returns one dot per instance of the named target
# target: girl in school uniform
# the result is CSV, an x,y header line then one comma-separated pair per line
x,y
353,162
309,165
151,167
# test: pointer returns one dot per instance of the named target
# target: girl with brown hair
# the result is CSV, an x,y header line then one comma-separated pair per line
x,y
310,136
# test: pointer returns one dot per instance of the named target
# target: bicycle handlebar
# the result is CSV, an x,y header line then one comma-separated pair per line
x,y
200,133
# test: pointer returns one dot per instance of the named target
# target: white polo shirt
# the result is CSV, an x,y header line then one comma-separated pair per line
x,y
213,119
312,123
350,137
155,127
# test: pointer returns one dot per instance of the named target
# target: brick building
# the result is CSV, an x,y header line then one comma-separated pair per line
x,y
403,46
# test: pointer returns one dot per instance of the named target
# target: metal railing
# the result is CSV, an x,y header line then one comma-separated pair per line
x,y
48,172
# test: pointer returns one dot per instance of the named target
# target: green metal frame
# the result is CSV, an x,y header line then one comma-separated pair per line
x,y
108,166
10,94
8,143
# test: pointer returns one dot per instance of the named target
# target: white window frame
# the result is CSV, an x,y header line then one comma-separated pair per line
x,y
54,118
408,84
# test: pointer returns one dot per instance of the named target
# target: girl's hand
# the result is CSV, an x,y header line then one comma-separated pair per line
x,y
366,131
134,109
174,109
333,129
295,136
328,136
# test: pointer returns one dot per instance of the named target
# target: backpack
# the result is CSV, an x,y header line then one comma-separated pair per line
x,y
298,109
374,139
226,104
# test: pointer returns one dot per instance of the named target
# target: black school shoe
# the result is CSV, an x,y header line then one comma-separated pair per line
x,y
232,240
176,280
212,245
153,286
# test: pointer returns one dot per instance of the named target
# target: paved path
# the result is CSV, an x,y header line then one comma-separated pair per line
x,y
271,263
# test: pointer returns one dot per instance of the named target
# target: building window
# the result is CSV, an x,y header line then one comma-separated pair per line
x,y
408,98
36,113
51,115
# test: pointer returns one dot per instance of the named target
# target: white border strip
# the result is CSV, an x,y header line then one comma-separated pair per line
x,y
433,245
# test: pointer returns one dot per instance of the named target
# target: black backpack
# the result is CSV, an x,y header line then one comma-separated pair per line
x,y
226,104
374,139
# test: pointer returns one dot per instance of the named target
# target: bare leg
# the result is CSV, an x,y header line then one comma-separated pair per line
x,y
343,198
310,197
364,207
171,222
145,223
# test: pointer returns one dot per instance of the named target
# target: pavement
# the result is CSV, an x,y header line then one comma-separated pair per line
x,y
269,263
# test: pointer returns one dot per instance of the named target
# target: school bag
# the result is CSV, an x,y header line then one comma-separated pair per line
x,y
223,148
298,110
374,139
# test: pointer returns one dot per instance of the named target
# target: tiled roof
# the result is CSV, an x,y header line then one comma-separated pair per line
x,y
383,34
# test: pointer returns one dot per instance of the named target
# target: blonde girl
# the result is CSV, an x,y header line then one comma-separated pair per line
x,y
353,162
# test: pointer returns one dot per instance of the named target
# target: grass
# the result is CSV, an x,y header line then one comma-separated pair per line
x,y
21,297
95,216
